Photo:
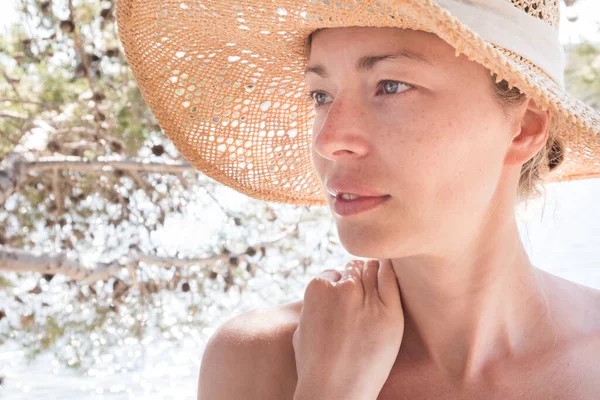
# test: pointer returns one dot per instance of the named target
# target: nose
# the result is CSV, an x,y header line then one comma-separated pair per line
x,y
342,131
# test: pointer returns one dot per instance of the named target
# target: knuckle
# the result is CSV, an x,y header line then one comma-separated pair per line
x,y
348,285
317,285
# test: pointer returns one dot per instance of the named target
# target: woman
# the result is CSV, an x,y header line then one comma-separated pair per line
x,y
422,159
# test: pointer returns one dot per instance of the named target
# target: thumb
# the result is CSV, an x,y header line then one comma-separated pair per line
x,y
387,282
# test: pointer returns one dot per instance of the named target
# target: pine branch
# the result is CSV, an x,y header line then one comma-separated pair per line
x,y
14,168
15,260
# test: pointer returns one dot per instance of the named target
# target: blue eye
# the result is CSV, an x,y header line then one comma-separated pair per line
x,y
391,87
386,86
317,97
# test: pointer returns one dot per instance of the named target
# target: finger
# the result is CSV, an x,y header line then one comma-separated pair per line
x,y
353,270
369,277
331,275
389,290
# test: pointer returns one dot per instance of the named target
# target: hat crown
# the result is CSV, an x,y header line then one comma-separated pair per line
x,y
224,78
546,10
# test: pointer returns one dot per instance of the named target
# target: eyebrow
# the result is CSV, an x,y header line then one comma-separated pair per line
x,y
368,62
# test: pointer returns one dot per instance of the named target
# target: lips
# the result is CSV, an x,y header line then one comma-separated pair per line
x,y
338,186
370,196
346,208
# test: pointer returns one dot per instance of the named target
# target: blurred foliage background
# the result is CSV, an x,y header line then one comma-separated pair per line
x,y
92,193
90,188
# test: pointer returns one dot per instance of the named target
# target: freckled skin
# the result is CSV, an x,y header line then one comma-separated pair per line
x,y
439,149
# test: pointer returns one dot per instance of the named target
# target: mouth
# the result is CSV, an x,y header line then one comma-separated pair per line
x,y
352,196
347,204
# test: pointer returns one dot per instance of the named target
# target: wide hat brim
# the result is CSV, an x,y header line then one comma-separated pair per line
x,y
224,79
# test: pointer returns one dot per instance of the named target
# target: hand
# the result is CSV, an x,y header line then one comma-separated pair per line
x,y
350,329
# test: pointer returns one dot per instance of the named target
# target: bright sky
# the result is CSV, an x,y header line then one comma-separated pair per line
x,y
7,15
586,27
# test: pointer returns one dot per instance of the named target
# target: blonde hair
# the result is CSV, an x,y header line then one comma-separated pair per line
x,y
549,157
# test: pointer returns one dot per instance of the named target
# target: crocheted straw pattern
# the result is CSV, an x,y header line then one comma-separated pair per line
x,y
225,81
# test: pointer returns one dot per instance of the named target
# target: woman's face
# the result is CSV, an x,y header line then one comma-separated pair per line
x,y
422,126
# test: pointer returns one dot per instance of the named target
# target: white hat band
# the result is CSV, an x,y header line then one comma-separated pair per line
x,y
501,23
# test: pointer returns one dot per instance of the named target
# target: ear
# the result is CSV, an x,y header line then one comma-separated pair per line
x,y
529,134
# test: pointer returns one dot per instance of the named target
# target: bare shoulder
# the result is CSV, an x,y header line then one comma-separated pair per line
x,y
251,356
575,304
576,309
581,366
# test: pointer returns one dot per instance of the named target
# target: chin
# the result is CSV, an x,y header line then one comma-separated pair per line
x,y
370,240
361,243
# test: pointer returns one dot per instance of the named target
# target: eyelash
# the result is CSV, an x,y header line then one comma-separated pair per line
x,y
380,84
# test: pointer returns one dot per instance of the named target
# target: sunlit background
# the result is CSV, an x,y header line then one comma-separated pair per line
x,y
560,231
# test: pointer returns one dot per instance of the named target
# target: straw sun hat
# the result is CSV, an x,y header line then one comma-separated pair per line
x,y
224,78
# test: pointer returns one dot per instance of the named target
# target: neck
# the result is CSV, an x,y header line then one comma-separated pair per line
x,y
467,310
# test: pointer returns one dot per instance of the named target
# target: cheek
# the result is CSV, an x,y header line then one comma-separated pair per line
x,y
445,153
